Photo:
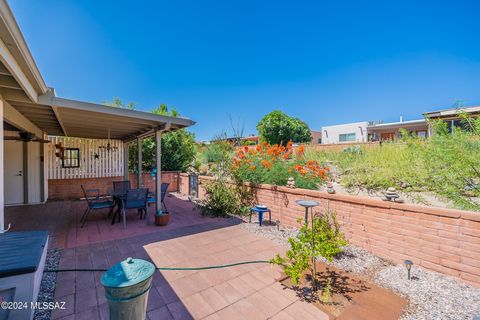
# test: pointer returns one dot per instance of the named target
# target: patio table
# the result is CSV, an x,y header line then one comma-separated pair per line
x,y
119,198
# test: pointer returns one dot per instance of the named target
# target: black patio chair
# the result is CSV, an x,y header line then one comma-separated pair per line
x,y
121,186
136,199
164,191
92,196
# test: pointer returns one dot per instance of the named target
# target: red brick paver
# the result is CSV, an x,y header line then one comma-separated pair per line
x,y
240,292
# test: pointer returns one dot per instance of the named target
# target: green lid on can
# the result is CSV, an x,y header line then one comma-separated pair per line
x,y
127,273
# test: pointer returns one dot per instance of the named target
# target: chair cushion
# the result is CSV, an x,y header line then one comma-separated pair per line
x,y
101,204
135,204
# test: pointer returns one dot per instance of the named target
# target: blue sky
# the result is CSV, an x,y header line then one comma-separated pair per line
x,y
326,62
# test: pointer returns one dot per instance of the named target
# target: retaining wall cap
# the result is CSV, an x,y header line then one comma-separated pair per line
x,y
445,212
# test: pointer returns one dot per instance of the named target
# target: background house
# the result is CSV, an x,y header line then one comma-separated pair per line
x,y
345,133
391,130
453,116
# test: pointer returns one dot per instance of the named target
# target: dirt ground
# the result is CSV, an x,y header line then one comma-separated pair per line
x,y
351,297
423,198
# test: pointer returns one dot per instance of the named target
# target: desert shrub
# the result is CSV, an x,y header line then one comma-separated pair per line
x,y
447,164
323,238
454,164
275,164
218,157
220,200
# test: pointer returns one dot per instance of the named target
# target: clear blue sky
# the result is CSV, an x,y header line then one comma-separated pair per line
x,y
326,62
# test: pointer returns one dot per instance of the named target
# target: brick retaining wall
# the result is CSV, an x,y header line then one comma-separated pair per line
x,y
63,189
442,240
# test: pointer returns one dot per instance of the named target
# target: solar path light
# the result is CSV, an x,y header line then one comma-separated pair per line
x,y
408,265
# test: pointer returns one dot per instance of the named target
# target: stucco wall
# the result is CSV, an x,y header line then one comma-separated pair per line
x,y
330,134
442,240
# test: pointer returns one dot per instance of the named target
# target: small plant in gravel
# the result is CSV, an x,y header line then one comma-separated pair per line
x,y
326,296
323,238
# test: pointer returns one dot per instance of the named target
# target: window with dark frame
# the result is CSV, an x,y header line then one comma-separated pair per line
x,y
71,158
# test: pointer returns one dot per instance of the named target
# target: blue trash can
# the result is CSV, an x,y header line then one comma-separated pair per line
x,y
126,289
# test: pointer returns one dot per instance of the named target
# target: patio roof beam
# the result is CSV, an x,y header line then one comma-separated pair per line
x,y
93,107
125,161
163,128
139,163
60,122
158,173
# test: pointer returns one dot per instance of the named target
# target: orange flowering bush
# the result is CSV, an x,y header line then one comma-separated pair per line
x,y
274,164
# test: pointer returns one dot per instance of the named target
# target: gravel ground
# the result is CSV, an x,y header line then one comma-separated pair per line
x,y
47,286
273,232
431,296
358,260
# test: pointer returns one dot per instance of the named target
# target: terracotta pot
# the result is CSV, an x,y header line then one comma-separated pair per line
x,y
162,220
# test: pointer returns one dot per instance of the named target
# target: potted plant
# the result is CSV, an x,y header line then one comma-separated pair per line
x,y
162,218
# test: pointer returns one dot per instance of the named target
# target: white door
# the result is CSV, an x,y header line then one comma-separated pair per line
x,y
13,171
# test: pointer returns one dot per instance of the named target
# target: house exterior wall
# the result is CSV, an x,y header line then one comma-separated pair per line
x,y
34,176
33,154
443,240
70,189
108,164
316,137
376,132
331,134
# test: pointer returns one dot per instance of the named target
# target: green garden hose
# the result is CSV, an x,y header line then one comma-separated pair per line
x,y
169,268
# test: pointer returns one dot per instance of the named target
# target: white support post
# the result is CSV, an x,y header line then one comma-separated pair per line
x,y
139,166
125,161
158,175
2,181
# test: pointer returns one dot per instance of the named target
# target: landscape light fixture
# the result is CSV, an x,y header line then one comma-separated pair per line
x,y
408,264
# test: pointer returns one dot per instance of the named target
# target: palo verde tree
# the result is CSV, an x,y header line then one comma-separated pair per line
x,y
279,128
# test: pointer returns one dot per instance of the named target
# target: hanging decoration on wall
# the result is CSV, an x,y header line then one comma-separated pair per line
x,y
108,147
59,151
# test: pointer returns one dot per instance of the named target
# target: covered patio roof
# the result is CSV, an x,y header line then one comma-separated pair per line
x,y
28,104
66,117
23,87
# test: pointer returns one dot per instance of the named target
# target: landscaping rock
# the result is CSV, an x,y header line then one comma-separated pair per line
x,y
274,232
47,286
431,295
358,260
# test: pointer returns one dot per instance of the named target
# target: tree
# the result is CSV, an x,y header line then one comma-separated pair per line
x,y
279,128
117,103
178,147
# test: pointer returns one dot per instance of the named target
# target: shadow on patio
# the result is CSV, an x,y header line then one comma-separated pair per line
x,y
62,220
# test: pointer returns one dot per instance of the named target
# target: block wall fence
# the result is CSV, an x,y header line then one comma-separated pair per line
x,y
443,240
69,189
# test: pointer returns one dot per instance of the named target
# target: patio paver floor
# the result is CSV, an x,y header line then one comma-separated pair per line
x,y
240,292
